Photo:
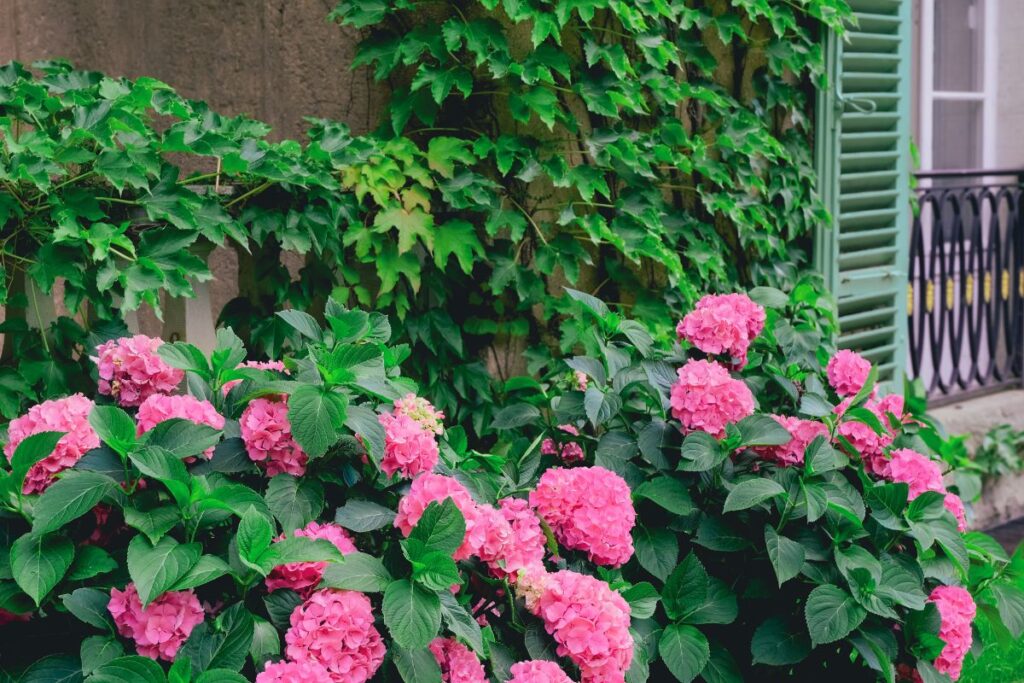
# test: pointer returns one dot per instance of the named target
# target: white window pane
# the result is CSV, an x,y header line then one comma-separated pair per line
x,y
956,134
958,45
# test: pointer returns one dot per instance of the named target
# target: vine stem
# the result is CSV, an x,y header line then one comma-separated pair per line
x,y
251,193
529,218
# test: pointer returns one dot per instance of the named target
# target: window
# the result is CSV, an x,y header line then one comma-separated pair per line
x,y
957,84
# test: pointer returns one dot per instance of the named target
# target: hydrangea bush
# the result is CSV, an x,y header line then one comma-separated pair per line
x,y
648,514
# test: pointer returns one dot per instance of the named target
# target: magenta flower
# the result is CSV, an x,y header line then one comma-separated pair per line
x,y
570,452
435,488
540,671
847,371
803,432
957,609
723,324
304,577
160,628
458,664
706,398
258,365
267,434
159,408
409,447
588,509
131,371
70,415
334,628
293,672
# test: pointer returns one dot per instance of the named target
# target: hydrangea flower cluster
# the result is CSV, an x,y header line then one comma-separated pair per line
x,y
304,577
334,628
458,664
70,415
275,365
723,324
588,620
847,371
921,474
957,609
409,447
580,380
160,628
869,444
422,411
539,671
159,408
267,435
588,509
706,398
570,452
435,488
293,672
803,432
131,371
526,547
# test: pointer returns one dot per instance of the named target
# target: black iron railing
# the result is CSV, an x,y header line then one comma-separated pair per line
x,y
965,302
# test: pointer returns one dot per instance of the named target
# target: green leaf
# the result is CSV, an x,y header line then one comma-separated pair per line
x,y
316,414
254,536
411,613
642,598
656,550
751,492
90,561
701,452
667,492
358,572
208,568
303,323
114,427
441,528
684,650
516,415
266,643
90,606
294,502
831,614
786,555
70,497
96,651
1010,604
457,237
31,450
416,666
362,516
154,523
776,644
39,562
183,438
949,538
184,356
52,669
156,568
130,669
685,588
461,622
221,676
762,430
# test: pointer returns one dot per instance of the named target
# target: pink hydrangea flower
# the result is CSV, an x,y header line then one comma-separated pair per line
x,y
267,434
955,505
847,371
889,405
527,546
304,577
803,432
539,671
957,609
159,629
422,411
435,488
570,452
921,474
458,664
588,621
159,408
69,415
131,371
293,672
588,509
723,324
409,447
488,534
274,365
334,628
706,398
580,380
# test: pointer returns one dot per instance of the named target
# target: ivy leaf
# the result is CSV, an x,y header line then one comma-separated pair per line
x,y
684,650
457,237
409,224
411,613
831,614
443,151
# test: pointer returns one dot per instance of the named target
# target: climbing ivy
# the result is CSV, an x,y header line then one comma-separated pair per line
x,y
645,152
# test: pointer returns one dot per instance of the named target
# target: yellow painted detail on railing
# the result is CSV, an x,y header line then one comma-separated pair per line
x,y
1020,283
929,297
988,287
910,299
949,294
1004,289
969,292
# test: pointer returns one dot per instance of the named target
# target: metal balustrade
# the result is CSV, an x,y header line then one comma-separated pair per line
x,y
965,299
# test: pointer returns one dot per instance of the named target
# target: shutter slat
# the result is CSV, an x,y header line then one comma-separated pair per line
x,y
863,150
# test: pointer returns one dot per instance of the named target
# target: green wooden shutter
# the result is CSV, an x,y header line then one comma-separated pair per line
x,y
862,153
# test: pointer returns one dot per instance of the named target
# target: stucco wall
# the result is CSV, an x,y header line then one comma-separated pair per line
x,y
275,60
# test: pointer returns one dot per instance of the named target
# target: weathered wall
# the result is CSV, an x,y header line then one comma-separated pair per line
x,y
275,60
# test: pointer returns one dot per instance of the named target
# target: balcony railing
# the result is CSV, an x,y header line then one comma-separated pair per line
x,y
965,302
